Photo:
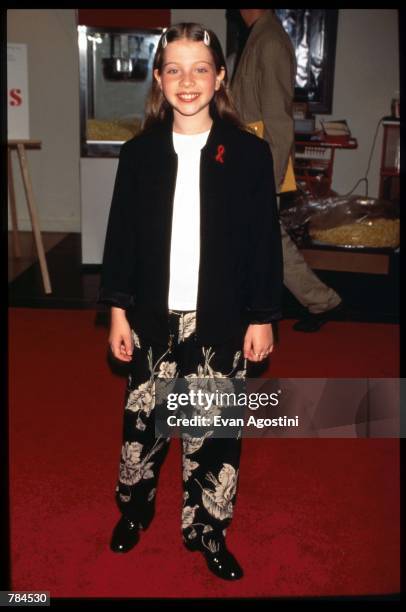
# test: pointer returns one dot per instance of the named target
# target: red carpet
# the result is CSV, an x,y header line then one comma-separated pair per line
x,y
314,517
338,350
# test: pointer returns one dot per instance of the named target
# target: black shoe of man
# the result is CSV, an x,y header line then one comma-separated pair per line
x,y
313,322
219,559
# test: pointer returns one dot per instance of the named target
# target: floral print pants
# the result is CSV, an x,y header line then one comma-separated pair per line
x,y
210,464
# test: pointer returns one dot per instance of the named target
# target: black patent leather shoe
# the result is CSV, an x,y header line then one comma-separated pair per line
x,y
126,535
219,559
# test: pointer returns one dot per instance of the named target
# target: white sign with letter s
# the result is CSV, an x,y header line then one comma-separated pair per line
x,y
17,92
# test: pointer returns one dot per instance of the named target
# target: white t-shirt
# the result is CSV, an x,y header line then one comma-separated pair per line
x,y
185,241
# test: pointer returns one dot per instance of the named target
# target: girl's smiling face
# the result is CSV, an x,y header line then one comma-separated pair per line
x,y
188,78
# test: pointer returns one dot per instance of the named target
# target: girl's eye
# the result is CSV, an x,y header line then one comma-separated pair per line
x,y
199,69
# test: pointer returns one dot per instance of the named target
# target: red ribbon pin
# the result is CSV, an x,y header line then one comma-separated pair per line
x,y
220,153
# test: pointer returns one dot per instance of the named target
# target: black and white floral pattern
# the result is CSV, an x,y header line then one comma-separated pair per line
x,y
210,464
132,467
187,326
218,501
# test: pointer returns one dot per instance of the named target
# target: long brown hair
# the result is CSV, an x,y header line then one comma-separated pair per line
x,y
157,108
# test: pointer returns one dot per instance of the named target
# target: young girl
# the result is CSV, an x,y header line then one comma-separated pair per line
x,y
192,269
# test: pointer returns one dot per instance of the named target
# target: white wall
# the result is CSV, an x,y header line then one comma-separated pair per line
x,y
214,19
53,73
366,78
97,182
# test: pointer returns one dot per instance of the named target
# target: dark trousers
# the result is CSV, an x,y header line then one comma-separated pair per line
x,y
210,465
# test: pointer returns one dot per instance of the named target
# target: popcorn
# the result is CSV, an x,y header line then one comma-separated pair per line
x,y
377,233
120,130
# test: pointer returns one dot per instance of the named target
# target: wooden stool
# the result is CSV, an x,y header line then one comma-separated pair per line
x,y
21,146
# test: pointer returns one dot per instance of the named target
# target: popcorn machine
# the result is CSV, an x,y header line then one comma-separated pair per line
x,y
115,76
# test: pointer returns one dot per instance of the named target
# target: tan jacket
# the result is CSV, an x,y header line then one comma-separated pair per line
x,y
263,87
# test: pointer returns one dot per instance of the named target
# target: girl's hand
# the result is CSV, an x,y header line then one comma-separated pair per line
x,y
120,338
258,342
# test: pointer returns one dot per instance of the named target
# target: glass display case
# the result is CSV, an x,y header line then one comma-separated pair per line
x,y
115,77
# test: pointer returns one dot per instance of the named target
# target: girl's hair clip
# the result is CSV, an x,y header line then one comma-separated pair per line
x,y
206,39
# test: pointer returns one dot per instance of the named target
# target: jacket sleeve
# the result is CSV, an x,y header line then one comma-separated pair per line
x,y
118,255
275,87
265,266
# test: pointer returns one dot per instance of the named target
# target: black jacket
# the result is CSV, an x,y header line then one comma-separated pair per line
x,y
240,274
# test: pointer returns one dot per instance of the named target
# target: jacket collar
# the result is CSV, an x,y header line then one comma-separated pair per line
x,y
263,23
217,136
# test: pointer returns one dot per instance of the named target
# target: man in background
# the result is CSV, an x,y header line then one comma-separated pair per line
x,y
262,87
